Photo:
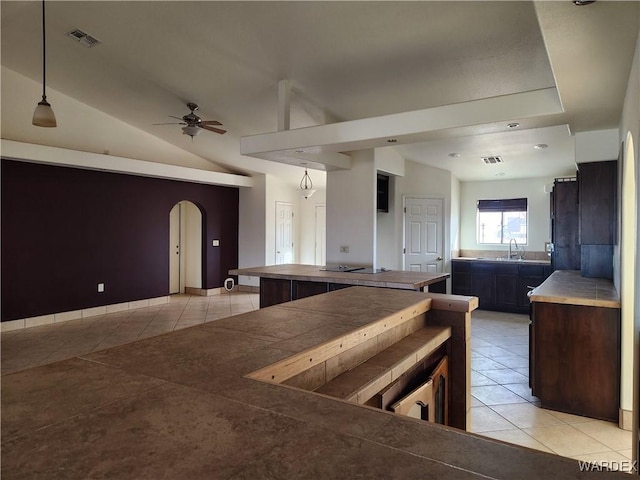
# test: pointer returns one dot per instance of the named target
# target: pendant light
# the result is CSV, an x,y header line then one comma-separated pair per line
x,y
43,116
306,185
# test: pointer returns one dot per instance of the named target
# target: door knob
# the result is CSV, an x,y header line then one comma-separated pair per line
x,y
439,258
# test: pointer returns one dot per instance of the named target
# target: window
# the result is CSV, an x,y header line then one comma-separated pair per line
x,y
501,220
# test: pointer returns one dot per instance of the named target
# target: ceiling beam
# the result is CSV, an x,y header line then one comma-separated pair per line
x,y
321,143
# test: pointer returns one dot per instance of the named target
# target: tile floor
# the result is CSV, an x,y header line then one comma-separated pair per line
x,y
28,348
502,405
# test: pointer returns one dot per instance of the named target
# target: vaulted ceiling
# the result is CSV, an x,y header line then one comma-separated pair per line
x,y
344,61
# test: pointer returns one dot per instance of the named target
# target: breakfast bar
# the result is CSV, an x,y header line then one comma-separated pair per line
x,y
249,397
283,283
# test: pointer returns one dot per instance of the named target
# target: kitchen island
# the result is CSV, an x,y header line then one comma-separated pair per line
x,y
575,345
190,404
283,283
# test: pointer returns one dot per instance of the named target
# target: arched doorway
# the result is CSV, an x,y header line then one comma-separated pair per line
x,y
185,247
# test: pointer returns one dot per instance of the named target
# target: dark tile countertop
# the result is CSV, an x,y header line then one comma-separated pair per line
x,y
179,406
313,273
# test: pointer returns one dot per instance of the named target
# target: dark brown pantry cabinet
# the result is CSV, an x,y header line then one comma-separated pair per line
x,y
565,225
598,225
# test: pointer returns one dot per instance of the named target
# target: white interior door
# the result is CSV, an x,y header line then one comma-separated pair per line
x,y
174,249
284,233
185,247
423,220
321,235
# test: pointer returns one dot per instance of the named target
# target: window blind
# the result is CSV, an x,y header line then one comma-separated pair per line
x,y
503,205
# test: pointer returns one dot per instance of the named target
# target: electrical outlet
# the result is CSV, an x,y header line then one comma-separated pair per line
x,y
215,243
344,249
100,287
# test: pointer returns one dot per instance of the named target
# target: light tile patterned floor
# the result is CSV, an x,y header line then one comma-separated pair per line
x,y
28,348
503,407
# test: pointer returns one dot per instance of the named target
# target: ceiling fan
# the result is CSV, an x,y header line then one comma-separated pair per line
x,y
193,123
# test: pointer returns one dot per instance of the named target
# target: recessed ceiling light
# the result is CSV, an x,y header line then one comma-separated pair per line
x,y
392,140
580,3
454,155
513,125
540,146
500,174
299,151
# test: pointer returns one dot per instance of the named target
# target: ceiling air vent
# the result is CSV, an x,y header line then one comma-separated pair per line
x,y
83,38
492,160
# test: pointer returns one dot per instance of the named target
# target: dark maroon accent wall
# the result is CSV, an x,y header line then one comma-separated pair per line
x,y
64,230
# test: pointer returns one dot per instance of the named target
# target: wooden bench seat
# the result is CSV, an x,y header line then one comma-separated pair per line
x,y
365,380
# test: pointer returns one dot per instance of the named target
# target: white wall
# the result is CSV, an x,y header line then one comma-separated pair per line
x,y
423,181
307,223
539,230
454,240
630,374
351,219
386,232
389,162
252,228
257,226
279,191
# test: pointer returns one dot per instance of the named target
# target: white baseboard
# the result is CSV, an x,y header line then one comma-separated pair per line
x,y
78,314
625,419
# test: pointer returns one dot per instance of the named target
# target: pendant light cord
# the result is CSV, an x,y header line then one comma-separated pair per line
x,y
44,55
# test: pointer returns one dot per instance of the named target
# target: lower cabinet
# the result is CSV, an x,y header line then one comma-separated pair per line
x,y
575,359
500,286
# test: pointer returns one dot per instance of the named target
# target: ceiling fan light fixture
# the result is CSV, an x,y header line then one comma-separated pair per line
x,y
43,115
191,130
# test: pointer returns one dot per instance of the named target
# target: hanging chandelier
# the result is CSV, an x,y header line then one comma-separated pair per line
x,y
306,185
43,115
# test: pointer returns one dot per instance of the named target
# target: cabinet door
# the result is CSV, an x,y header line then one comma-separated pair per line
x,y
461,283
483,286
506,291
524,282
565,221
597,183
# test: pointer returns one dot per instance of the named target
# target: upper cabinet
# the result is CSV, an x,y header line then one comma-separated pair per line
x,y
598,202
598,217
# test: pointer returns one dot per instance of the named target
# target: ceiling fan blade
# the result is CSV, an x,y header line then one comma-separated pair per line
x,y
177,118
210,122
213,129
169,123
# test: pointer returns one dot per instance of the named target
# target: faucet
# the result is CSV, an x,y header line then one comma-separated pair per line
x,y
511,252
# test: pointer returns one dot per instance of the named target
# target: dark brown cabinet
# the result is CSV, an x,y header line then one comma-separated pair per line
x,y
575,359
565,225
598,217
500,286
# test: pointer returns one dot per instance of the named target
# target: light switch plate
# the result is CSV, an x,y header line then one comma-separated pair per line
x,y
216,243
100,287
